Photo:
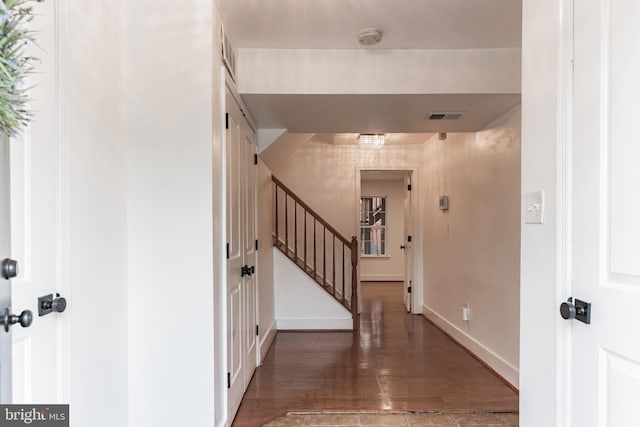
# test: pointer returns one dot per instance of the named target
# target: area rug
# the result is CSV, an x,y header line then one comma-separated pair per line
x,y
396,419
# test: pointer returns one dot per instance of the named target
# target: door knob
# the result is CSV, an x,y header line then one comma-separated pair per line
x,y
403,247
9,268
48,304
580,310
247,271
7,319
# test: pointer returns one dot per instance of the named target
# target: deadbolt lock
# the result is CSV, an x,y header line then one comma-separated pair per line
x,y
9,268
48,304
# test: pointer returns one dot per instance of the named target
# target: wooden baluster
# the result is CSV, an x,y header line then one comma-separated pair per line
x,y
315,258
295,230
305,240
344,297
333,253
354,283
277,236
324,257
286,224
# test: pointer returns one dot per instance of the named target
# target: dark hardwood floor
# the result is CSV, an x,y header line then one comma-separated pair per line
x,y
396,362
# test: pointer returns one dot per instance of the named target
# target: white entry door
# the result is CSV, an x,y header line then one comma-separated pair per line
x,y
40,221
408,246
605,245
5,286
241,254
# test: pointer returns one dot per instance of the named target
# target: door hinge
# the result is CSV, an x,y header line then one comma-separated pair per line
x,y
226,120
257,330
409,187
228,250
409,290
255,159
228,379
256,244
408,238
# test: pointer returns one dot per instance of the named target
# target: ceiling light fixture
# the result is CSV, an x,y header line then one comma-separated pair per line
x,y
371,140
369,36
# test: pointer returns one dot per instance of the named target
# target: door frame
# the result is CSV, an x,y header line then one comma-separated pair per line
x,y
416,227
545,249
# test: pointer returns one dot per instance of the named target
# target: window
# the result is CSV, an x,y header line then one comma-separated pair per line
x,y
373,225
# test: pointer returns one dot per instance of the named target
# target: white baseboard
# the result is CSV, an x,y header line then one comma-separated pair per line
x,y
315,324
381,277
267,339
497,363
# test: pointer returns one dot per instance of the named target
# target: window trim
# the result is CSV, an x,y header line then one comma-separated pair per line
x,y
384,241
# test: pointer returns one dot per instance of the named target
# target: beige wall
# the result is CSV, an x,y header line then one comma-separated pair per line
x,y
324,176
472,251
391,266
469,254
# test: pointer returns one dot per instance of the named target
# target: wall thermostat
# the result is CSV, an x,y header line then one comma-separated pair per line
x,y
443,203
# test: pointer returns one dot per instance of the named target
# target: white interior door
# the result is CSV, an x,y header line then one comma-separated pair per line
x,y
241,259
605,245
408,249
5,286
248,169
235,258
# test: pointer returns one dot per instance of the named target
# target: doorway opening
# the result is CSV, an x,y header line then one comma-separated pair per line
x,y
385,221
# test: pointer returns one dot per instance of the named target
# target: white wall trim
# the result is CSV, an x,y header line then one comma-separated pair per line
x,y
382,277
497,363
267,339
315,324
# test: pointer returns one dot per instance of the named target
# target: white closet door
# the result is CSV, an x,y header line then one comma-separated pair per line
x,y
241,254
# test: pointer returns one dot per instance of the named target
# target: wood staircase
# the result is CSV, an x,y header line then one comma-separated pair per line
x,y
317,248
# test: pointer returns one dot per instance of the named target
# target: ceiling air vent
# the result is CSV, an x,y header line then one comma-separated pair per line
x,y
444,116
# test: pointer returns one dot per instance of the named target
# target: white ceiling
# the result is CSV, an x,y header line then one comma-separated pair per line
x,y
376,113
406,24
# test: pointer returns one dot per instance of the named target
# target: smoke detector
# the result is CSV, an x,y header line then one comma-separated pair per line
x,y
369,36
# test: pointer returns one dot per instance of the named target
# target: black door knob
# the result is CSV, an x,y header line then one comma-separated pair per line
x,y
403,247
7,319
579,310
247,271
568,310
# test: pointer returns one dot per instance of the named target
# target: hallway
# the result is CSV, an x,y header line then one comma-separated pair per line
x,y
397,362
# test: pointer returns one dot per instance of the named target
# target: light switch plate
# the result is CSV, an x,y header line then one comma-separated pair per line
x,y
534,207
